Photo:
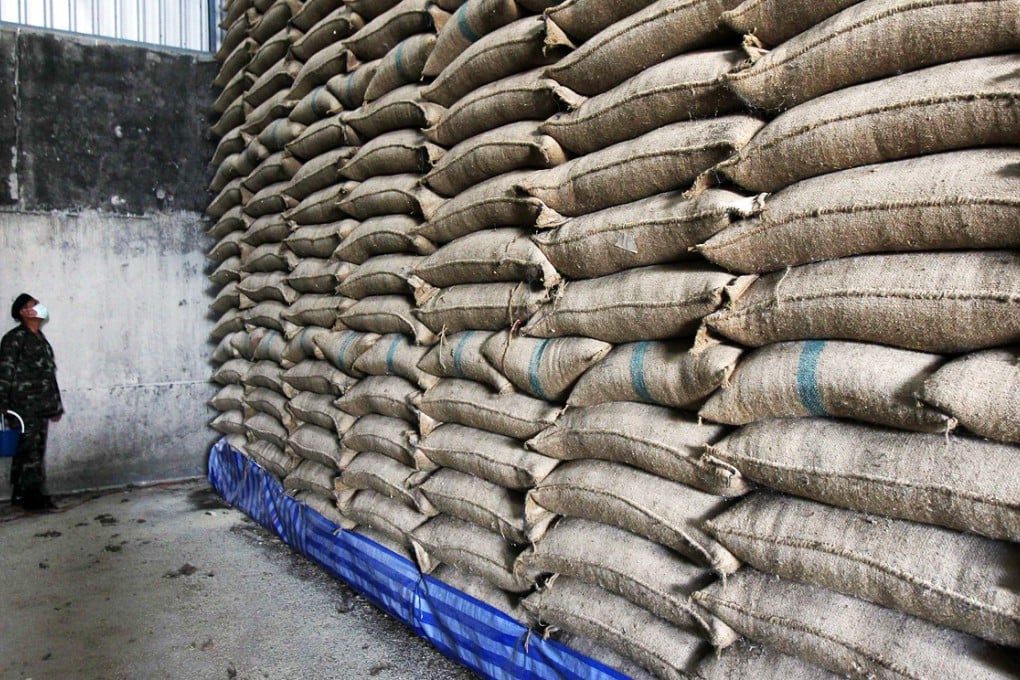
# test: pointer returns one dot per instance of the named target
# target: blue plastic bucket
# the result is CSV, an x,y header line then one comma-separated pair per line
x,y
9,436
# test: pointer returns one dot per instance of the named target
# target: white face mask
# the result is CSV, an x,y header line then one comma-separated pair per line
x,y
40,311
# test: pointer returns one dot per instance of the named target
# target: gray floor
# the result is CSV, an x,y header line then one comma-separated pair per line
x,y
168,582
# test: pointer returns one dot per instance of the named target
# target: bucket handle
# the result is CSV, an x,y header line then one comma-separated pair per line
x,y
3,420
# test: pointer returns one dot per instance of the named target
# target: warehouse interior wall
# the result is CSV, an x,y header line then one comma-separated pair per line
x,y
103,154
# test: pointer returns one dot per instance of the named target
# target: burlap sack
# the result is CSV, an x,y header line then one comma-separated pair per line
x,y
235,33
237,60
961,483
267,428
262,344
315,275
478,306
516,47
486,256
342,349
268,314
272,458
649,36
381,275
667,158
315,11
470,22
229,422
265,400
384,32
746,659
277,78
402,65
772,22
887,562
545,368
383,195
225,350
495,152
230,143
236,88
478,588
449,540
318,240
268,200
389,517
870,383
265,374
846,635
932,302
228,398
232,118
233,194
370,9
232,220
318,409
379,473
273,17
670,651
474,500
393,153
384,314
646,573
266,229
276,168
582,19
964,104
395,110
267,286
979,391
661,301
316,310
385,395
302,346
317,376
350,88
323,31
652,438
278,133
596,651
874,39
322,505
391,437
318,173
228,269
232,372
330,61
662,373
682,88
396,354
492,457
475,405
381,235
318,138
524,96
312,442
229,297
492,203
656,230
459,355
315,105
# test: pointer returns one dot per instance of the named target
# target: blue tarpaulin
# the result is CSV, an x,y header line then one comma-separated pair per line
x,y
463,628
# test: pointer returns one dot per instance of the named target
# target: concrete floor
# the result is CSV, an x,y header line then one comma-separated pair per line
x,y
168,582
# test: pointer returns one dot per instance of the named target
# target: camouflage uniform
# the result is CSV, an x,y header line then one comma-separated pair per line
x,y
28,386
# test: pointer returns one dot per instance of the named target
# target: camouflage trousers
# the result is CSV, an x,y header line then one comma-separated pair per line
x,y
28,471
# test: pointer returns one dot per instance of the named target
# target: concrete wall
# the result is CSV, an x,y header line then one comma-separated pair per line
x,y
103,152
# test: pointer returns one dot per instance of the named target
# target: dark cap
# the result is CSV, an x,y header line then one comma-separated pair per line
x,y
20,303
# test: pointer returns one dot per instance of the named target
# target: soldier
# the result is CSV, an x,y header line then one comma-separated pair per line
x,y
28,386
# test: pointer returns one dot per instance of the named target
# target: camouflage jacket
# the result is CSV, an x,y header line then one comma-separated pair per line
x,y
28,374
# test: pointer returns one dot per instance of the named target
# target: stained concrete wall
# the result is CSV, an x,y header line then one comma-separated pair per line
x,y
103,152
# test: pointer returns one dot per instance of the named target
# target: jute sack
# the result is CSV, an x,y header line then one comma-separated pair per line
x,y
269,200
311,476
389,517
318,409
474,500
492,457
478,588
312,442
386,31
315,105
237,60
233,194
384,395
228,269
662,373
516,47
317,310
380,473
452,541
229,297
324,506
582,19
657,230
647,303
481,306
665,159
962,483
320,67
384,314
475,405
350,88
459,355
392,153
523,96
604,655
228,398
395,354
342,349
317,275
381,235
318,240
229,422
932,302
489,255
398,109
544,368
860,381
318,173
772,22
327,30
272,82
846,635
964,104
649,36
670,651
267,286
492,203
954,579
370,9
232,91
746,659
274,17
272,458
225,350
494,152
644,572
682,88
265,374
961,199
874,39
274,49
268,314
236,32
277,167
402,65
470,22
232,220
537,6
665,512
381,275
391,437
231,143
318,138
317,376
278,133
979,390
232,372
383,195
653,438
232,118
265,400
320,206
302,346
314,12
